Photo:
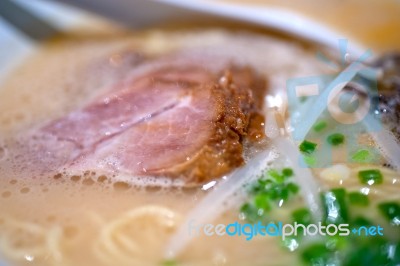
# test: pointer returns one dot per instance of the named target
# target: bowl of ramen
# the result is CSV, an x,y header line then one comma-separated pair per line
x,y
223,144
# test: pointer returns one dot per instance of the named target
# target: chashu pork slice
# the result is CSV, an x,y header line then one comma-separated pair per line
x,y
176,120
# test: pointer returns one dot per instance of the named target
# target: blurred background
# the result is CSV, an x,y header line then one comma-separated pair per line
x,y
373,24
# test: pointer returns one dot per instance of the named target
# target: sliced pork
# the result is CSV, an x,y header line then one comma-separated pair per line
x,y
177,120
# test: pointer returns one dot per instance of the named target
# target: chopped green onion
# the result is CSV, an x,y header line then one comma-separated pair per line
x,y
361,221
370,177
335,139
284,193
293,188
391,211
273,188
276,176
358,198
319,126
336,242
288,172
335,207
302,216
310,160
250,212
307,147
279,192
372,251
316,254
362,156
261,201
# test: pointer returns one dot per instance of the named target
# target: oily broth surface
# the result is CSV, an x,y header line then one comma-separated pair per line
x,y
70,211
67,74
60,77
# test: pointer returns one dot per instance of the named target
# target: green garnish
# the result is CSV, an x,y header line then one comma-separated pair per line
x,y
372,251
275,188
302,216
272,189
288,172
370,177
362,156
358,198
316,254
279,192
250,212
319,126
352,250
276,176
335,139
169,263
307,147
261,201
292,187
391,211
349,250
361,221
310,160
335,207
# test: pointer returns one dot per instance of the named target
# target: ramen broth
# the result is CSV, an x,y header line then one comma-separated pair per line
x,y
108,218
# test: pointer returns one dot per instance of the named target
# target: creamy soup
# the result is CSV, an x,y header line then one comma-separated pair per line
x,y
65,199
